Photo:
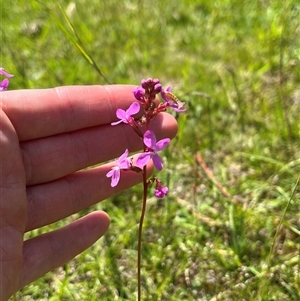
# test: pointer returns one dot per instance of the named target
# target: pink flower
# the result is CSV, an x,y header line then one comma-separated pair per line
x,y
152,148
139,94
172,101
115,173
125,116
160,191
4,84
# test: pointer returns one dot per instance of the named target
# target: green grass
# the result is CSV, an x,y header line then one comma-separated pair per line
x,y
236,64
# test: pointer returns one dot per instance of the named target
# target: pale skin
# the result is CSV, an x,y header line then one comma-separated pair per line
x,y
47,137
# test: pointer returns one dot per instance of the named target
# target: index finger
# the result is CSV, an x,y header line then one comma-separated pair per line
x,y
39,113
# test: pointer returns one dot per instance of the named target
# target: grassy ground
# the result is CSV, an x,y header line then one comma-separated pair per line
x,y
230,228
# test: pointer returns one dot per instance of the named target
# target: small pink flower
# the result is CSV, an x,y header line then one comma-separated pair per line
x,y
115,173
172,101
153,148
139,94
160,191
4,84
125,116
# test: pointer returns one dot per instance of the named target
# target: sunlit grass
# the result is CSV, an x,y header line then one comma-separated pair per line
x,y
236,64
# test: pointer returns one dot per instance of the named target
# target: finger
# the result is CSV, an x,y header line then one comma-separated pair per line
x,y
45,112
46,252
58,199
50,158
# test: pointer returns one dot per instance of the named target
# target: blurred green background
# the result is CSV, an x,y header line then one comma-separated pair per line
x,y
229,229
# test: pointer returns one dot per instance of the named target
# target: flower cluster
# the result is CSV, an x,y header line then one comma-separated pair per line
x,y
4,83
146,96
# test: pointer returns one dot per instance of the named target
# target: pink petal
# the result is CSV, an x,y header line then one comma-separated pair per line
x,y
150,139
133,109
123,156
117,122
110,173
161,144
178,109
5,73
143,159
121,114
115,178
4,84
157,161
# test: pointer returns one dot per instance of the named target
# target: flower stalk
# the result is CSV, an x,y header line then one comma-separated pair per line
x,y
145,95
140,233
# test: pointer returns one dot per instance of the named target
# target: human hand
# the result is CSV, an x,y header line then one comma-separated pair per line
x,y
47,138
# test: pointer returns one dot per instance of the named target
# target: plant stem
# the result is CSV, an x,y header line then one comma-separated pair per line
x,y
145,189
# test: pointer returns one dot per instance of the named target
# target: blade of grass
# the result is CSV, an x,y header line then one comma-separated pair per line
x,y
74,38
263,287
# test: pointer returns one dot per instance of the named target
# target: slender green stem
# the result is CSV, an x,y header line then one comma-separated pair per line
x,y
145,189
263,286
